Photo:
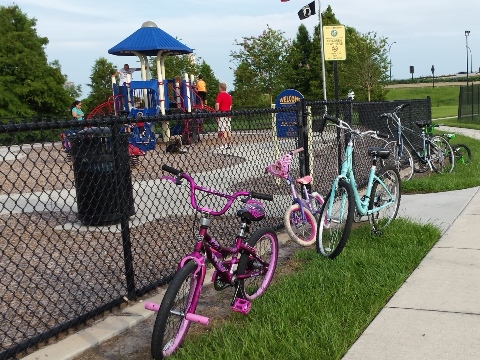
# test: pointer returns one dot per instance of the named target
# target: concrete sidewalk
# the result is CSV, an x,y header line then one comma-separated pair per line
x,y
436,312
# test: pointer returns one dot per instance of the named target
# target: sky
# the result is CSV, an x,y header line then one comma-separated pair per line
x,y
420,33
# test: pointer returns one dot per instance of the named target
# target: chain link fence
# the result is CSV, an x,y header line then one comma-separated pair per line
x,y
469,104
87,222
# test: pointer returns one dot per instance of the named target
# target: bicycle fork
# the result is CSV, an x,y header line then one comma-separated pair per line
x,y
190,314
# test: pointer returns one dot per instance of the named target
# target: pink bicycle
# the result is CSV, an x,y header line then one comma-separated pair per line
x,y
248,266
301,218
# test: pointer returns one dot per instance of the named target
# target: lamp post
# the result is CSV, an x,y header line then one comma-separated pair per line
x,y
467,33
471,61
390,59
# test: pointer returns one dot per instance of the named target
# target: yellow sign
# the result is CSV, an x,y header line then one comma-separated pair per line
x,y
334,42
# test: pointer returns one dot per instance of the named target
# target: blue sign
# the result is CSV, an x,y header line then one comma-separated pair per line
x,y
287,122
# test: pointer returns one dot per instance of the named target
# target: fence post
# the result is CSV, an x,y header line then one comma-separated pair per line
x,y
302,128
123,187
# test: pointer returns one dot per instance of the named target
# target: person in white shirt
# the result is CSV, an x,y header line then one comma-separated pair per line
x,y
124,72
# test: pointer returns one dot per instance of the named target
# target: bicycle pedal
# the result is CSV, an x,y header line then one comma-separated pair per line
x,y
242,306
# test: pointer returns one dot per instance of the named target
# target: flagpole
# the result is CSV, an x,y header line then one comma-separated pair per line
x,y
321,51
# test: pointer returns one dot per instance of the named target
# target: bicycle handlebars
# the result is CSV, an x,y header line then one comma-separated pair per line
x,y
394,111
193,186
343,125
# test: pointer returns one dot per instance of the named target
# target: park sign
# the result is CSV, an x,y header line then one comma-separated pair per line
x,y
287,122
334,42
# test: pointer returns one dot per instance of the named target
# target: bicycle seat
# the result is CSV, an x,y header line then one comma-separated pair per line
x,y
304,180
422,123
252,211
379,151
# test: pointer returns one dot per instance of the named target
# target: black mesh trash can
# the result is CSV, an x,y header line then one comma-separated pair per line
x,y
101,166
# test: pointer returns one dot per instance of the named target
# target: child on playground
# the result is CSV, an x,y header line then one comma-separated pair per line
x,y
201,88
76,110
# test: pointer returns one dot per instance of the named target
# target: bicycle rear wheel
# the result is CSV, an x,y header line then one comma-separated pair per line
x,y
462,153
441,155
333,235
256,275
379,197
301,231
170,325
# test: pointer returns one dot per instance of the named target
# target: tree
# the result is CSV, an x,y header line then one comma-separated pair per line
x,y
246,93
299,75
266,56
100,84
372,65
29,85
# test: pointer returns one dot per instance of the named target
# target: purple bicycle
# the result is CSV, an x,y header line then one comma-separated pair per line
x,y
301,219
248,266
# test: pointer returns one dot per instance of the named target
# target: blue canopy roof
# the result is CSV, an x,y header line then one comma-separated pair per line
x,y
148,40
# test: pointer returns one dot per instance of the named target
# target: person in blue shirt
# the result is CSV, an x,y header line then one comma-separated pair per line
x,y
77,112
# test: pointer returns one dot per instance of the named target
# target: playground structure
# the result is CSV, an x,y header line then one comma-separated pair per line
x,y
151,97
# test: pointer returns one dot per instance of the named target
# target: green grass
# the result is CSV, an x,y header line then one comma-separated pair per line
x,y
463,175
444,98
320,310
440,96
441,112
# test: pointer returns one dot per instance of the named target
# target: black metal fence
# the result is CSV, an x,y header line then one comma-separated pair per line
x,y
469,104
86,224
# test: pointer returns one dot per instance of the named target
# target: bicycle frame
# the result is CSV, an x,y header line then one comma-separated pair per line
x,y
347,174
208,245
423,157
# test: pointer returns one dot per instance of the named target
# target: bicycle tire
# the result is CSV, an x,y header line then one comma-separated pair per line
x,y
441,155
265,243
302,232
462,153
169,329
391,178
332,236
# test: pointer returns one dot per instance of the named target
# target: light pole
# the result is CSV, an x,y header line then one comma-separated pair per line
x,y
390,59
467,32
471,61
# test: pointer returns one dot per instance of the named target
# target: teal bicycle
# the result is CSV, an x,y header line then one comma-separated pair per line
x,y
344,203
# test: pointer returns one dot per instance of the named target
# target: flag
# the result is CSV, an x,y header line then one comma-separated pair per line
x,y
307,11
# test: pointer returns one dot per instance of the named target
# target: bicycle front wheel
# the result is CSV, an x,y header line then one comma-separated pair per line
x,y
337,221
302,231
441,155
256,271
170,325
403,163
462,153
388,196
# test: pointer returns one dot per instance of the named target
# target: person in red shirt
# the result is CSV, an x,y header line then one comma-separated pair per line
x,y
223,102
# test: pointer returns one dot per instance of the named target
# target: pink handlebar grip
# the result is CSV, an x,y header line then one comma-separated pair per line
x,y
197,318
152,306
297,151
